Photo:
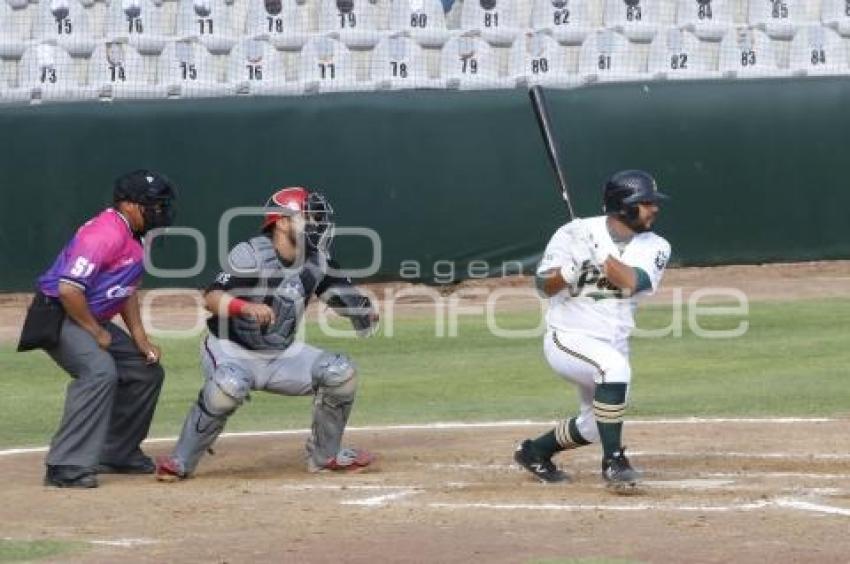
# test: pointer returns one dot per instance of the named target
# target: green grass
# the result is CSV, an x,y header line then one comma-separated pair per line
x,y
25,551
791,362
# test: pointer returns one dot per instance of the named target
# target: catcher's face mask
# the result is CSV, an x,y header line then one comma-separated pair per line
x,y
318,222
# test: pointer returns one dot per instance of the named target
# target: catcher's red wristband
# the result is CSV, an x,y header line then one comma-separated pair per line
x,y
235,307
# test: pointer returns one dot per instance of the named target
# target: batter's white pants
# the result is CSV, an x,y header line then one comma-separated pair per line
x,y
586,362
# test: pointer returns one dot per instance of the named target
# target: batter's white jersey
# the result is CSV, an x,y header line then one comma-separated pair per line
x,y
597,308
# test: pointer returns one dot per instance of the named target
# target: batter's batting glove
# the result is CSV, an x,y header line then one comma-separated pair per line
x,y
570,272
600,250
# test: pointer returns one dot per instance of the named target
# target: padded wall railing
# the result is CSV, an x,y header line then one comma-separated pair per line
x,y
756,169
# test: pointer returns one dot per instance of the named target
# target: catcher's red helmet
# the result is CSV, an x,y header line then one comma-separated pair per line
x,y
285,202
313,206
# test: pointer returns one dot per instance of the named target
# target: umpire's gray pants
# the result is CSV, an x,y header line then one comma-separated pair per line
x,y
109,403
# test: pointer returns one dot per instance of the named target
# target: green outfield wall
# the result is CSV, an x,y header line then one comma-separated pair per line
x,y
755,169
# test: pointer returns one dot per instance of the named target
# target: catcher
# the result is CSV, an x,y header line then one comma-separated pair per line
x,y
257,303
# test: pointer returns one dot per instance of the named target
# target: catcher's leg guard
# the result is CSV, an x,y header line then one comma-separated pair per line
x,y
335,385
223,392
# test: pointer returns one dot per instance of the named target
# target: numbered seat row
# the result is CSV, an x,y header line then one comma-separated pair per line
x,y
253,67
79,25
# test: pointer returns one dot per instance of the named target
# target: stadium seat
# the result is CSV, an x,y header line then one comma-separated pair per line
x,y
209,21
679,54
285,23
748,53
836,14
707,19
256,68
398,63
606,56
147,25
49,73
536,58
778,18
10,92
469,63
817,50
496,20
354,22
16,23
66,23
567,20
638,20
326,66
117,71
422,20
187,69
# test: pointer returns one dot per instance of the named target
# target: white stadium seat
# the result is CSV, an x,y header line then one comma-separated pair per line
x,y
817,50
748,53
10,92
423,20
469,63
398,62
16,23
256,68
326,66
188,70
147,25
211,22
50,74
836,14
606,56
285,23
778,18
117,71
536,58
354,22
638,20
66,23
496,20
679,54
707,19
567,20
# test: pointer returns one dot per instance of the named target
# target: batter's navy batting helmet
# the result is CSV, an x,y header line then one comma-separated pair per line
x,y
627,188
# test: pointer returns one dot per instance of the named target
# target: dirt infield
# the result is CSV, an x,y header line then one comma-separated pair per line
x,y
769,491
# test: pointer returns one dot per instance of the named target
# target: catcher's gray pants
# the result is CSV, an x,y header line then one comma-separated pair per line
x,y
109,403
290,372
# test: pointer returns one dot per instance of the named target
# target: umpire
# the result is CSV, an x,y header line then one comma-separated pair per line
x,y
116,377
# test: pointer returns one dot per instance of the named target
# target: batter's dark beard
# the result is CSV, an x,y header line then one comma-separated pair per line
x,y
639,227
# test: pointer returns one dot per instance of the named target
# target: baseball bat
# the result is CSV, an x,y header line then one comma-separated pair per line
x,y
541,112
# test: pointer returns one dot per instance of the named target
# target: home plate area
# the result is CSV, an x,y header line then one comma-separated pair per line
x,y
797,467
714,490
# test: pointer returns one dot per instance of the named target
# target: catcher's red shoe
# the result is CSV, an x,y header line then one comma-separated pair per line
x,y
346,460
168,469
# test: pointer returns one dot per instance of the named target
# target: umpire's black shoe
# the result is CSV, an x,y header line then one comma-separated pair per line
x,y
61,476
542,468
618,472
141,465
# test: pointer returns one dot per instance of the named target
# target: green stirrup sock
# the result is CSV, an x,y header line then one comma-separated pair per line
x,y
609,405
546,444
